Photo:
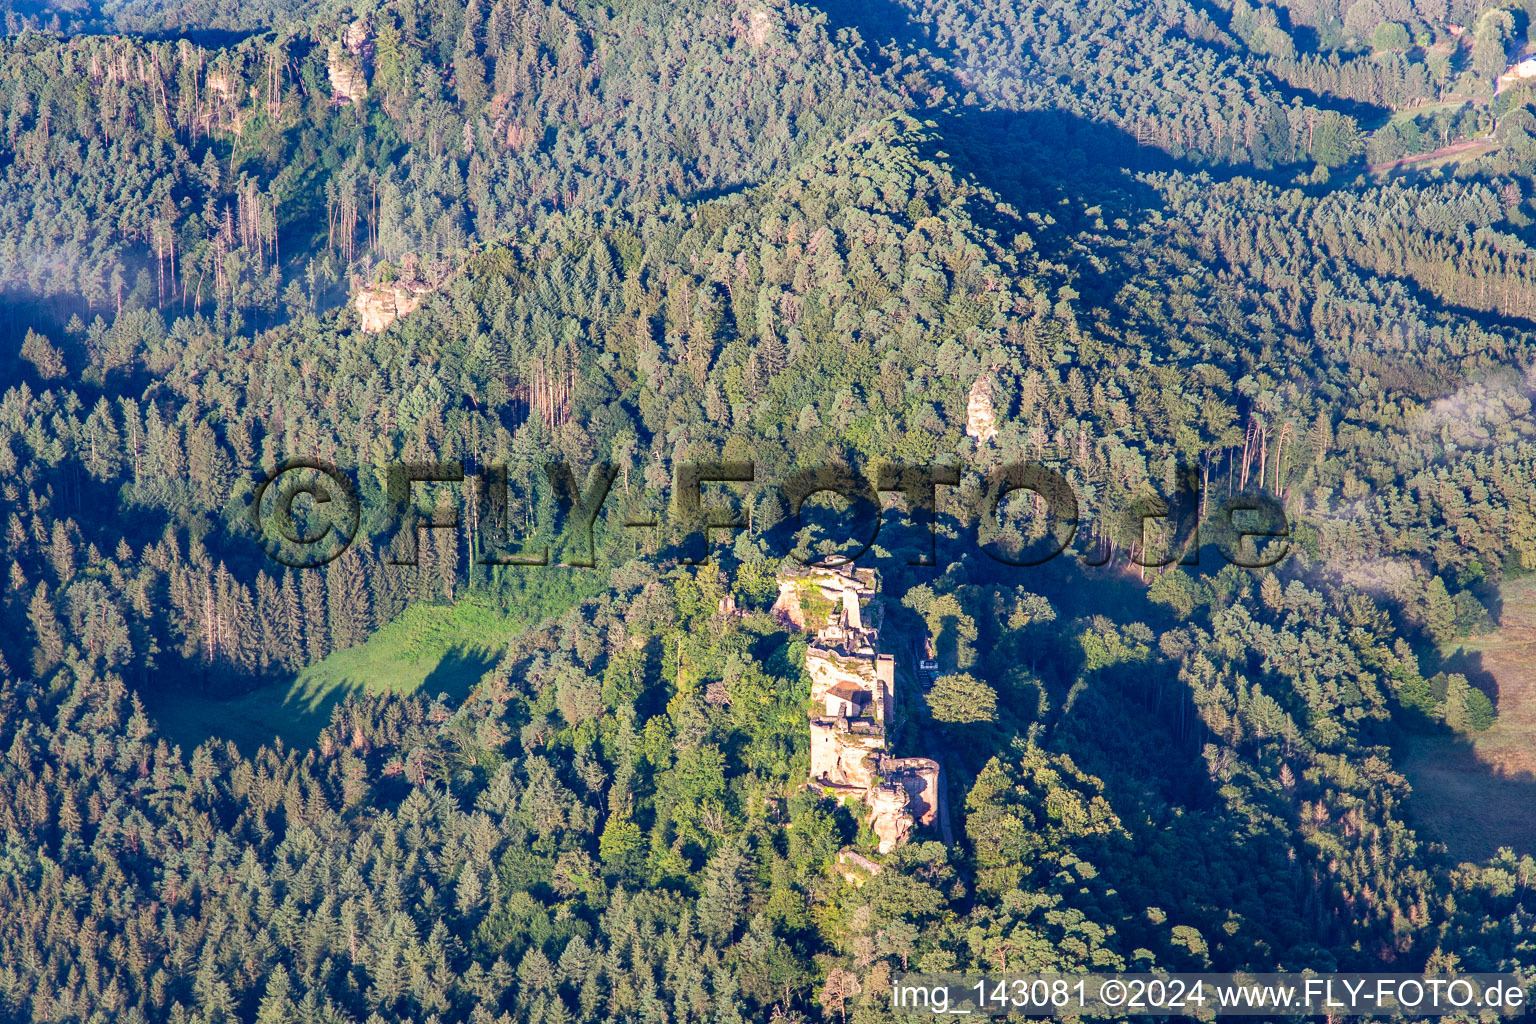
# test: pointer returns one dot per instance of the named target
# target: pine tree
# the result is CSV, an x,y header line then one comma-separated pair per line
x,y
347,602
47,636
100,444
1439,611
61,553
725,895
313,616
291,650
269,619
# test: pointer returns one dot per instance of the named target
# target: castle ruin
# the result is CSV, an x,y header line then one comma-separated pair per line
x,y
853,696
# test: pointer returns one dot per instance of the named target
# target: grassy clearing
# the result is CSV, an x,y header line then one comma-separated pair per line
x,y
1477,792
434,649
1449,103
1460,152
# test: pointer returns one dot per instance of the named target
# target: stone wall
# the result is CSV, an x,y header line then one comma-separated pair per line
x,y
842,756
919,776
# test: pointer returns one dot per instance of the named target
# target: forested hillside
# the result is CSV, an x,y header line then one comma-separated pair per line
x,y
1138,245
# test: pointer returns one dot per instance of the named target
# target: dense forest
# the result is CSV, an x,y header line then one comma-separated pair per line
x,y
1282,251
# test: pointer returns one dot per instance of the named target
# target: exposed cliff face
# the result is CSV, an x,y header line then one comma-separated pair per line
x,y
848,751
345,63
753,25
380,306
223,109
358,37
981,412
919,776
788,607
347,82
843,757
888,816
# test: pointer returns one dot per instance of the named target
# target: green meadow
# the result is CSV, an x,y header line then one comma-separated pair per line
x,y
433,649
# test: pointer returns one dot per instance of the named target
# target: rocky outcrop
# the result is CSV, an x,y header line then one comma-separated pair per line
x,y
888,816
853,692
222,112
980,412
919,777
382,305
348,85
358,37
845,754
788,608
753,25
345,63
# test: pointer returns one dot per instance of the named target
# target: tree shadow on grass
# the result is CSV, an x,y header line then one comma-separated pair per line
x,y
1474,792
1470,664
458,673
294,712
1463,801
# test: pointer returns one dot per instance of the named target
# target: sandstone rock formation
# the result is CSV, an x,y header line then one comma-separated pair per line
x,y
347,82
382,305
222,112
358,37
787,608
980,412
853,690
753,25
344,65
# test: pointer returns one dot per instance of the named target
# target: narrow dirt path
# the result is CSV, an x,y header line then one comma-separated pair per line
x,y
1443,151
